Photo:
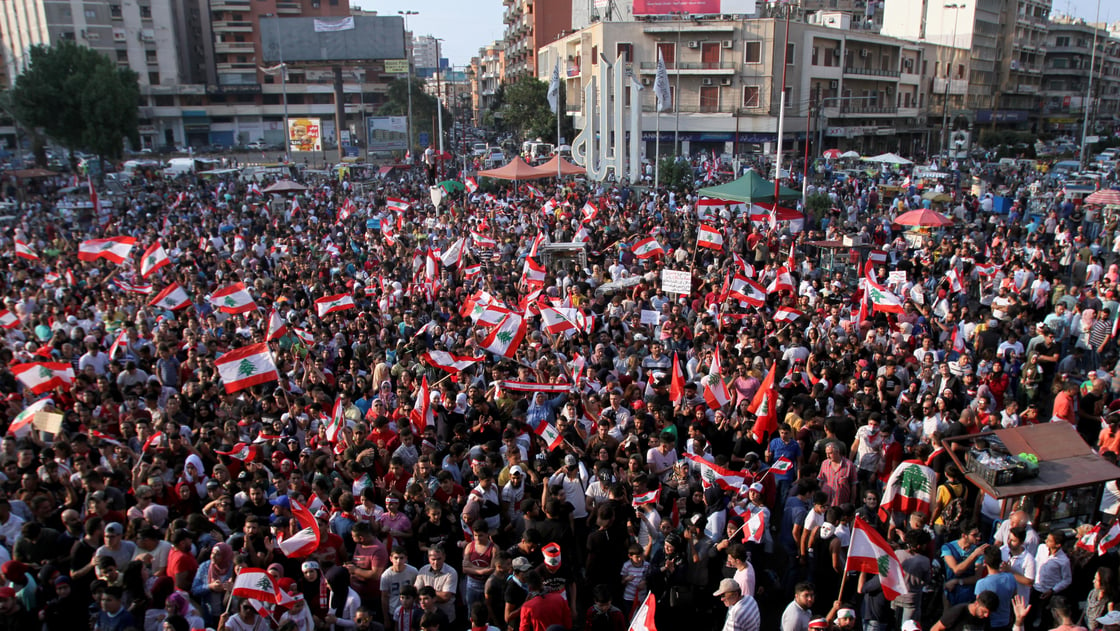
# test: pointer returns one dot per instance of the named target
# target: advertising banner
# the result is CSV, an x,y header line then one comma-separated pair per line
x,y
387,133
711,7
305,134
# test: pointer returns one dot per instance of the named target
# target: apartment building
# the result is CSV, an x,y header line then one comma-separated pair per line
x,y
1065,78
529,25
485,76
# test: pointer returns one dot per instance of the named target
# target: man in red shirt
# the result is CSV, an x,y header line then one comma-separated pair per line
x,y
541,610
181,564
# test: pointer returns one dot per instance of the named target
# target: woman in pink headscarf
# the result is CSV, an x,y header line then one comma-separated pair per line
x,y
212,582
1113,273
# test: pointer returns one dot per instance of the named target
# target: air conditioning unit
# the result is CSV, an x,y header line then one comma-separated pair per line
x,y
147,36
708,81
833,84
93,37
119,35
646,81
725,81
693,43
863,52
728,43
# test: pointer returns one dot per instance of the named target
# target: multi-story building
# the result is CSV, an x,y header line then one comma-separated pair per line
x,y
844,88
530,24
989,56
1065,79
485,75
425,52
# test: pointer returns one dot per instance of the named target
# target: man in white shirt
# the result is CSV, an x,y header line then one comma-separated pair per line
x,y
1053,575
1021,562
798,613
1018,519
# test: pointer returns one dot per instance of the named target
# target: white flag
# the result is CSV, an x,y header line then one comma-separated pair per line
x,y
661,86
554,88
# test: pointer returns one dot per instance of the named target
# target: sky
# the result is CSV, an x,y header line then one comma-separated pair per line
x,y
467,25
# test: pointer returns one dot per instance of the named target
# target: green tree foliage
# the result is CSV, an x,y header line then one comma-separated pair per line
x,y
525,111
423,107
79,98
675,174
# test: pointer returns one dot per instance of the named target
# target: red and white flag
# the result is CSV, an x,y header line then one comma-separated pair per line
x,y
782,281
781,465
115,249
764,406
234,299
1109,540
649,497
254,583
330,304
676,384
153,258
277,327
396,204
120,342
715,475
534,191
133,288
709,237
155,441
551,436
534,273
453,255
337,422
504,338
40,377
589,212
746,290
647,248
448,362
24,419
306,541
346,210
909,489
245,452
715,390
954,279
8,320
535,386
754,527
1088,541
482,241
786,314
173,297
471,185
472,271
881,298
869,552
422,413
24,251
643,617
246,367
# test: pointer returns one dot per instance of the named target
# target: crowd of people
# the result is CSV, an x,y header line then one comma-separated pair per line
x,y
437,420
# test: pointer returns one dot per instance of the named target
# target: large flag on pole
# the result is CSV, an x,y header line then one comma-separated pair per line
x,y
661,85
869,552
764,406
554,88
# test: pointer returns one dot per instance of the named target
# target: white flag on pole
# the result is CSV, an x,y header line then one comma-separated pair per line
x,y
661,86
554,88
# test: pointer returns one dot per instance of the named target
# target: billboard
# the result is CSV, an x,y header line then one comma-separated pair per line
x,y
701,7
396,66
387,133
357,38
305,134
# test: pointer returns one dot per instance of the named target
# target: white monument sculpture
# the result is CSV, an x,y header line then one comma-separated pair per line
x,y
601,147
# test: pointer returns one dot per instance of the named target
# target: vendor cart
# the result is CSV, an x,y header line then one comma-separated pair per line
x,y
1067,488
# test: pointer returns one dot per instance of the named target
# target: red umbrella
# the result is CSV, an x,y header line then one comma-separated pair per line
x,y
923,217
1104,197
831,154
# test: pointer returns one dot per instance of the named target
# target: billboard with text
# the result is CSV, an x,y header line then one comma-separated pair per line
x,y
700,7
305,134
387,133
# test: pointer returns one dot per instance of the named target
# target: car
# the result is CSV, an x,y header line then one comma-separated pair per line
x,y
479,149
257,145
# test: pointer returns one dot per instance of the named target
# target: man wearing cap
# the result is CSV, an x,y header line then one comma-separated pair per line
x,y
115,546
742,611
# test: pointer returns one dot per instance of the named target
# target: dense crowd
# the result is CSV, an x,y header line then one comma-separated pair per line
x,y
469,426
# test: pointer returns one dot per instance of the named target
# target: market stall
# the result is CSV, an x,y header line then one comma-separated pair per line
x,y
1062,490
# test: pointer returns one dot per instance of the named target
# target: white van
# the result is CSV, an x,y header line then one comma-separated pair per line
x,y
183,166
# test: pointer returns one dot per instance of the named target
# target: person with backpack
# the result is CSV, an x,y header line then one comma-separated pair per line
x,y
951,505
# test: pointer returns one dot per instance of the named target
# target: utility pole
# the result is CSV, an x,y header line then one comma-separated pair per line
x,y
948,79
283,85
408,53
1089,91
439,96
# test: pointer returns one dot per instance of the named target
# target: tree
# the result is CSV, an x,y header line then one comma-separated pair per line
x,y
423,107
525,110
79,98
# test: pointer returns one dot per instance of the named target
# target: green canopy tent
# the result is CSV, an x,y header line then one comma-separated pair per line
x,y
752,187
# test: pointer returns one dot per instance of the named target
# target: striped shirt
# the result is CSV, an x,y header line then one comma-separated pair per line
x,y
743,616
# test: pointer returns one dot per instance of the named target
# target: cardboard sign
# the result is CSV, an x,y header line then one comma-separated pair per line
x,y
896,277
49,422
676,282
651,317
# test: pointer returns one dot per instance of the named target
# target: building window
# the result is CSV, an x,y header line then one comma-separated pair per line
x,y
709,98
751,96
1062,41
115,10
626,50
153,78
752,52
145,11
166,100
122,55
813,58
789,53
594,55
668,53
91,14
151,56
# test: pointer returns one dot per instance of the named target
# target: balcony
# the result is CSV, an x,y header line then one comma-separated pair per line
x,y
236,48
692,67
229,5
871,72
957,87
862,109
233,27
289,8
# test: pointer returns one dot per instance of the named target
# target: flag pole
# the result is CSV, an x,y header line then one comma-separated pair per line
x,y
657,155
558,104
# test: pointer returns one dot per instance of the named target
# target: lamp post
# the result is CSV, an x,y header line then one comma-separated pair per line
x,y
283,85
439,96
680,15
948,78
408,53
1089,90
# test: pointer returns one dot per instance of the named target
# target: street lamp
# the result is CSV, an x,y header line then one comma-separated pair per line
x,y
680,15
283,85
408,53
948,78
439,95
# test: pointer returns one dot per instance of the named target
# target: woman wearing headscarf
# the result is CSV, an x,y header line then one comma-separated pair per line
x,y
154,616
194,472
186,500
315,589
212,582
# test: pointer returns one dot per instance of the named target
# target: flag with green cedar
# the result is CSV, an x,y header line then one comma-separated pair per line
x,y
246,367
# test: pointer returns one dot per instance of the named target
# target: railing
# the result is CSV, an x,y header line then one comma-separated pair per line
x,y
859,108
872,72
690,65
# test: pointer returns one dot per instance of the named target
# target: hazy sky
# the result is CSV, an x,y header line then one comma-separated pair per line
x,y
466,25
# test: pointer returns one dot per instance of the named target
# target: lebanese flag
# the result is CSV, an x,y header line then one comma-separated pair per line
x,y
881,298
277,327
754,527
535,246
122,340
115,249
556,321
471,184
337,422
396,204
422,414
153,258
746,290
254,583
449,363
152,441
709,237
472,271
337,302
304,336
869,552
24,251
40,377
648,248
534,273
782,281
482,241
233,299
909,489
346,209
676,385
23,419
786,314
746,268
781,466
958,339
649,497
550,434
715,390
306,541
534,386
1088,541
1109,540
246,367
504,339
244,452
105,438
8,320
589,212
453,255
764,406
643,617
132,288
713,474
582,235
954,279
173,297
534,191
